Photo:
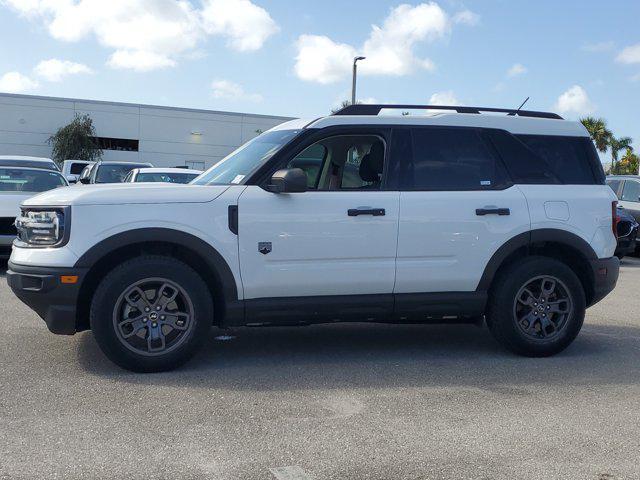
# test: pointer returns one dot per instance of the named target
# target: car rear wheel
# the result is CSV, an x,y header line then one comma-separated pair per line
x,y
536,307
151,314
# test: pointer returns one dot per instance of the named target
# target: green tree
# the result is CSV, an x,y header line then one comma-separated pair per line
x,y
600,134
616,145
628,164
75,141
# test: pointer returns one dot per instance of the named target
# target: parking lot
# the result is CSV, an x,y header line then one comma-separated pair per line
x,y
327,402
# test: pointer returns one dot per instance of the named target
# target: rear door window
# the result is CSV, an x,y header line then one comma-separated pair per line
x,y
450,159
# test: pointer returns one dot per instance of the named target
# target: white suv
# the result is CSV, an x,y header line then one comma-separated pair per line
x,y
451,216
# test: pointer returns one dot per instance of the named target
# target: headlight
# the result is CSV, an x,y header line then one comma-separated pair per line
x,y
42,227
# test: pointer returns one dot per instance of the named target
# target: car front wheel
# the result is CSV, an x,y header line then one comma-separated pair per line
x,y
151,313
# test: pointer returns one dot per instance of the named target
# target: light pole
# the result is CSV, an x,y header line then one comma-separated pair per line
x,y
355,74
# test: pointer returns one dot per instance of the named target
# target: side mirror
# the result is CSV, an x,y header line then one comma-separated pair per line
x,y
85,180
290,180
72,179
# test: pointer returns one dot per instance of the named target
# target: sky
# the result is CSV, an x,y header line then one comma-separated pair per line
x,y
293,58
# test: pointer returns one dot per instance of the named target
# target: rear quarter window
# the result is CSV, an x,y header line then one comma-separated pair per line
x,y
572,160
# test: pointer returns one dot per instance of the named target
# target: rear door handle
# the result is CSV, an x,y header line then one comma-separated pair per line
x,y
376,212
493,211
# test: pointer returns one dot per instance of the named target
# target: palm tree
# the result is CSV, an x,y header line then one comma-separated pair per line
x,y
597,128
616,145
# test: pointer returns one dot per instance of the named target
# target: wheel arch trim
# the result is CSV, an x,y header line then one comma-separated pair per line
x,y
213,259
528,239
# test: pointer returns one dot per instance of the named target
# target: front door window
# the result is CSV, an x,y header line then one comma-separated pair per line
x,y
343,162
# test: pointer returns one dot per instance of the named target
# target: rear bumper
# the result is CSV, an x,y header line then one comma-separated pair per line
x,y
605,274
42,290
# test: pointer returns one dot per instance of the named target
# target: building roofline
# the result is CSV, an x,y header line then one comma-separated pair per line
x,y
140,105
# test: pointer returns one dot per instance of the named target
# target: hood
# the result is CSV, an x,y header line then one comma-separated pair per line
x,y
127,193
10,203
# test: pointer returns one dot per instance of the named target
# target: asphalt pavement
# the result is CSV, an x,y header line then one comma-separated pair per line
x,y
350,401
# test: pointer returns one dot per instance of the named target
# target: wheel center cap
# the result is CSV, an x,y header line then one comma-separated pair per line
x,y
153,316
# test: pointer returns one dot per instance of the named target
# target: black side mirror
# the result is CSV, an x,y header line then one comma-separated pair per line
x,y
290,180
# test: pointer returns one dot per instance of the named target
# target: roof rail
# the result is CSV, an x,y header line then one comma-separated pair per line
x,y
374,109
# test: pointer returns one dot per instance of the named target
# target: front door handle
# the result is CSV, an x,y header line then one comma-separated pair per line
x,y
376,212
493,211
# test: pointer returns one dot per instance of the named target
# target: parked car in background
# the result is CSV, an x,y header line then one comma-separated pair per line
x,y
627,189
109,172
627,229
157,174
71,169
25,161
16,185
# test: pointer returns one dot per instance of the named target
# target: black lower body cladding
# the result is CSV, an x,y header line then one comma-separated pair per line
x,y
43,290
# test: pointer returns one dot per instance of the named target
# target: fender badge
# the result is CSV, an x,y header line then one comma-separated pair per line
x,y
264,247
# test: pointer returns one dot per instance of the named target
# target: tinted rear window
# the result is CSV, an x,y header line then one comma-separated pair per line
x,y
451,159
572,160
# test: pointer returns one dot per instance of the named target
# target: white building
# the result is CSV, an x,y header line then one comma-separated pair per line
x,y
164,136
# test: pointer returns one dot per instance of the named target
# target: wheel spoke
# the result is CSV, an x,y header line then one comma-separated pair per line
x,y
137,299
155,339
547,327
548,287
528,323
177,320
131,326
529,301
166,295
561,306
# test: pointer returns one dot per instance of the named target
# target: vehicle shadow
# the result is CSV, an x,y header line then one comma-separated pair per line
x,y
364,355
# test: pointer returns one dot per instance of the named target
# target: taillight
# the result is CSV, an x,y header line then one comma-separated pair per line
x,y
615,218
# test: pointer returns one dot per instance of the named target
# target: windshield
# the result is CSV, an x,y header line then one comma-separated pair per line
x,y
247,159
166,177
26,180
113,173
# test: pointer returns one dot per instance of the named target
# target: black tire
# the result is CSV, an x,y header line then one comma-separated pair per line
x,y
109,295
501,314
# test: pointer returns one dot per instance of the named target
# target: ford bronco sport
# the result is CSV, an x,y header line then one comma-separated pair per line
x,y
460,214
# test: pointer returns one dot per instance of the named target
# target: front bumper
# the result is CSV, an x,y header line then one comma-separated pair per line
x,y
605,274
41,289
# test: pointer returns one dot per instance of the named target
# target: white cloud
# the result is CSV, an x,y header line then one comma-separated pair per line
x,y
156,31
15,82
322,60
574,101
55,70
444,98
389,48
467,17
598,47
246,25
227,90
516,69
629,55
139,60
